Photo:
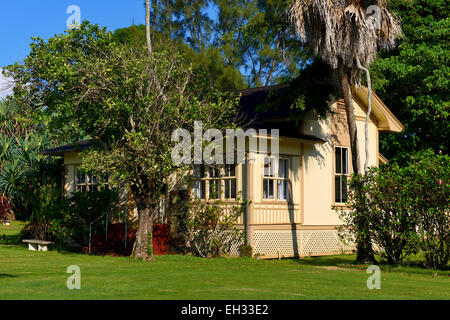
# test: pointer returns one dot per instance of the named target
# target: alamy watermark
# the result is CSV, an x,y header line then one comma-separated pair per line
x,y
74,20
374,281
373,17
73,281
208,147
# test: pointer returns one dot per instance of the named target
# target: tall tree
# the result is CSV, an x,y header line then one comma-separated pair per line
x,y
339,32
128,100
413,80
250,35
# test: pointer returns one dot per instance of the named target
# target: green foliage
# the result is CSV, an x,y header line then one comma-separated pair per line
x,y
312,89
429,193
55,216
245,251
210,227
252,37
22,168
413,80
207,62
403,210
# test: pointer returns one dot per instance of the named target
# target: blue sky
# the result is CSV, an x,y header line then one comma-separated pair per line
x,y
22,19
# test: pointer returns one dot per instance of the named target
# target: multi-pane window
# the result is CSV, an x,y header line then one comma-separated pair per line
x,y
341,174
215,181
276,173
229,179
86,182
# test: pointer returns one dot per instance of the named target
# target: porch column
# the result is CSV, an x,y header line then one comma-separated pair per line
x,y
250,165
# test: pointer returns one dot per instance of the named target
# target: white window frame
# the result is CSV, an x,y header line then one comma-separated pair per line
x,y
91,182
275,179
343,175
204,181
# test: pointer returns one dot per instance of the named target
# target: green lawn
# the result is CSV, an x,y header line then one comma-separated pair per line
x,y
42,275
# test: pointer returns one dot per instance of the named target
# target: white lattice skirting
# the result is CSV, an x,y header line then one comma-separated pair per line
x,y
290,243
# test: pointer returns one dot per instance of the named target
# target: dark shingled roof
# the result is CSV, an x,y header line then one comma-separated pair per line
x,y
248,114
73,147
269,118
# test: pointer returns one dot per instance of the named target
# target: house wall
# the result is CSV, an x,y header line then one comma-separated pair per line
x,y
313,231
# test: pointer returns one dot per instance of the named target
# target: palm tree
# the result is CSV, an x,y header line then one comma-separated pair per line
x,y
346,37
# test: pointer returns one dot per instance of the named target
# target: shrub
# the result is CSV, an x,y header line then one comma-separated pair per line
x,y
57,217
381,211
403,210
210,227
245,251
429,191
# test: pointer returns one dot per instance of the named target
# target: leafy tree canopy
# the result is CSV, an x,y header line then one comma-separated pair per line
x,y
413,80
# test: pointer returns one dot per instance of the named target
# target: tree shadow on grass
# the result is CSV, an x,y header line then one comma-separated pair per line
x,y
6,275
335,261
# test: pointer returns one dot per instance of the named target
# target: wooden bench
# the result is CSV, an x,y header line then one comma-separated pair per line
x,y
37,245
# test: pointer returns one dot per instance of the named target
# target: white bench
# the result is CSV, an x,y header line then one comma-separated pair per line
x,y
38,245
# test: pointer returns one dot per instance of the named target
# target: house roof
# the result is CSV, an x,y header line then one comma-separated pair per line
x,y
73,147
387,121
280,118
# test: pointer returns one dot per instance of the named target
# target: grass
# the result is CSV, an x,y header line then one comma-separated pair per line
x,y
42,275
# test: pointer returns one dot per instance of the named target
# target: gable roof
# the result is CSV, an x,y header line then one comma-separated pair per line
x,y
252,98
387,121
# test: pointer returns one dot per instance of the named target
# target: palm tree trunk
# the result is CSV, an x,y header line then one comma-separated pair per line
x,y
369,110
363,245
347,93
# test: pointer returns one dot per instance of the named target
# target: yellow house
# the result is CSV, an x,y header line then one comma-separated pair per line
x,y
291,197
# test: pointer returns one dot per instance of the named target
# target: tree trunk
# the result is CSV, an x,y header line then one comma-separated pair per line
x,y
147,27
347,93
143,247
364,245
369,110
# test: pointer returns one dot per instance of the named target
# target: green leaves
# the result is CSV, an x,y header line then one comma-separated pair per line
x,y
404,210
413,81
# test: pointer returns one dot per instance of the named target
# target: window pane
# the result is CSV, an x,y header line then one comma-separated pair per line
x,y
81,177
282,187
233,188
337,189
268,189
230,189
214,189
283,168
214,172
199,171
230,170
344,189
345,160
269,167
338,160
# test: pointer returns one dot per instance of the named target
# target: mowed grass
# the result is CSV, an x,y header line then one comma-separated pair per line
x,y
42,275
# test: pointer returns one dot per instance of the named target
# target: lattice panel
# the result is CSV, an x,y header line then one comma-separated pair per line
x,y
289,243
276,242
320,241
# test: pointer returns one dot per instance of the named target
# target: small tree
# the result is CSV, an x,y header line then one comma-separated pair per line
x,y
129,101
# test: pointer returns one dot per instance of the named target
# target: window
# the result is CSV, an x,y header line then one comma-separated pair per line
x,y
275,173
86,182
230,181
218,180
341,174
